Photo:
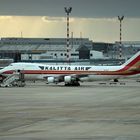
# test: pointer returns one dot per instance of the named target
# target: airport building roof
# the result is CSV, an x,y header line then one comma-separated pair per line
x,y
41,44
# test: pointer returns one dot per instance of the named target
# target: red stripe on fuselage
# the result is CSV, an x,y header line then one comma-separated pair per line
x,y
74,72
8,72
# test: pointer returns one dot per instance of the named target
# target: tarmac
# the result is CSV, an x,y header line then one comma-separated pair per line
x,y
93,111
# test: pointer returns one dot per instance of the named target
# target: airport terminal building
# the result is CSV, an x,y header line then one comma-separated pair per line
x,y
128,49
48,49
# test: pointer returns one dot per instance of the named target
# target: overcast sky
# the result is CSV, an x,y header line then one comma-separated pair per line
x,y
81,8
96,19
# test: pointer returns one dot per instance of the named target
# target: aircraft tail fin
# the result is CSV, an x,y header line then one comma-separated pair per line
x,y
134,61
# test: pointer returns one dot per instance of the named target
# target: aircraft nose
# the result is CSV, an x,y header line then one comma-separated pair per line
x,y
1,71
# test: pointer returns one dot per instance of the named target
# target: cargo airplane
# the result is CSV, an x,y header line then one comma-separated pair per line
x,y
71,75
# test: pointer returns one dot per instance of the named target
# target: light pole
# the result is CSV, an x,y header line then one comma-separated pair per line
x,y
68,11
120,43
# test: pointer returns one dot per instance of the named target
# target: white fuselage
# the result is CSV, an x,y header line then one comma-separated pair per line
x,y
35,71
71,74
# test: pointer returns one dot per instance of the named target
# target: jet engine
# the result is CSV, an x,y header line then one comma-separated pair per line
x,y
69,79
52,80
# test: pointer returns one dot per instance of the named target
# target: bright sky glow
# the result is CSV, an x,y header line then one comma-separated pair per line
x,y
96,29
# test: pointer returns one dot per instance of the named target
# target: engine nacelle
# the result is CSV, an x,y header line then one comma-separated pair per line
x,y
68,79
50,79
53,80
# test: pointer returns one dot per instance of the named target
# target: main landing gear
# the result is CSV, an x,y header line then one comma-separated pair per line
x,y
73,83
116,80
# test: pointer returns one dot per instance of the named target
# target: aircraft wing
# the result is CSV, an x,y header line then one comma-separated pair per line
x,y
65,77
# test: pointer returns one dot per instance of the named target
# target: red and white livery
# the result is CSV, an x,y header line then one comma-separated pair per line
x,y
72,74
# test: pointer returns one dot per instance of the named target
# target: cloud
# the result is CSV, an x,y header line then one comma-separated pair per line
x,y
53,19
98,19
56,19
80,8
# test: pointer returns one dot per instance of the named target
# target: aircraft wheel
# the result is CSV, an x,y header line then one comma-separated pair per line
x,y
116,80
75,83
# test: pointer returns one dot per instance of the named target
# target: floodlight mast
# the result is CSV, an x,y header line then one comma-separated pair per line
x,y
120,43
68,11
